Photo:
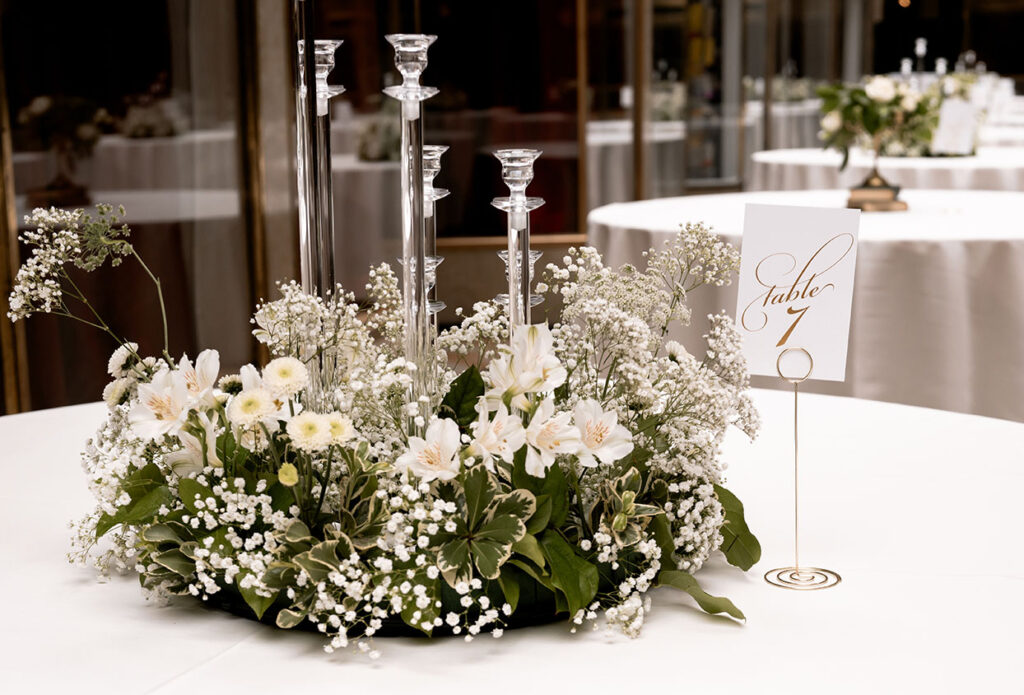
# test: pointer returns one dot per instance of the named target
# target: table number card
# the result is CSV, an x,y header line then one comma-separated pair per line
x,y
796,286
957,130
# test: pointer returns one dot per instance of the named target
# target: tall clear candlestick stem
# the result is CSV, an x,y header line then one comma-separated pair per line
x,y
517,173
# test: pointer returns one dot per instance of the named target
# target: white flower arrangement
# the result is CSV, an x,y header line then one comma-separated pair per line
x,y
564,471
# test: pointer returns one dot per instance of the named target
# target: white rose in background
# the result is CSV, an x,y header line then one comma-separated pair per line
x,y
881,89
549,434
601,436
201,378
437,456
162,407
831,122
499,437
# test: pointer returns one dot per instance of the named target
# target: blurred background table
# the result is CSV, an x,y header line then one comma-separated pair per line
x,y
937,319
993,168
869,473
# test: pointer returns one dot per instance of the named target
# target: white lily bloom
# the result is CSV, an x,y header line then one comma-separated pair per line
x,y
162,407
600,434
437,456
534,363
190,460
504,381
548,434
499,437
202,378
285,376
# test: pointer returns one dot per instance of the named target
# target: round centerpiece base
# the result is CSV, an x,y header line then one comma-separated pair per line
x,y
802,578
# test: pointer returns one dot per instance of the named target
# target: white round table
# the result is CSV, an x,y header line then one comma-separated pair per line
x,y
993,168
930,599
937,318
1001,135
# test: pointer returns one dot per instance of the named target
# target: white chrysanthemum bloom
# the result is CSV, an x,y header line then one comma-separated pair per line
x,y
831,122
201,378
191,459
341,428
285,376
548,434
675,351
499,437
534,363
114,392
121,359
162,407
309,431
881,89
437,456
252,407
601,436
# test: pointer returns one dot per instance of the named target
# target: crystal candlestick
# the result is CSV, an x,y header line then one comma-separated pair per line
x,y
431,168
517,173
313,142
411,60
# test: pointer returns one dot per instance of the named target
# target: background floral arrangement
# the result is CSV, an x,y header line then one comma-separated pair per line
x,y
884,116
559,471
70,126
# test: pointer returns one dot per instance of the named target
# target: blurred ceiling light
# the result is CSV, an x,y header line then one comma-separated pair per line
x,y
904,3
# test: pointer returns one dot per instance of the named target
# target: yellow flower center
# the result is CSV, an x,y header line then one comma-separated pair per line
x,y
160,406
430,455
595,433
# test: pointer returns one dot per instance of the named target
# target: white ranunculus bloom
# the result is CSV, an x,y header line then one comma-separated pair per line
x,y
881,89
437,456
548,434
501,437
309,431
285,376
190,460
201,378
601,437
252,407
831,122
162,407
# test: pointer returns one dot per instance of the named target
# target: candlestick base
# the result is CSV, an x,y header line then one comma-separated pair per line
x,y
802,578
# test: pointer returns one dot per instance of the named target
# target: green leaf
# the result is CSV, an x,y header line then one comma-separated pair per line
x,y
663,537
141,509
297,532
489,556
573,576
539,521
553,485
461,399
189,490
454,561
740,546
510,585
258,604
517,504
287,618
176,561
529,547
684,581
160,533
480,488
427,615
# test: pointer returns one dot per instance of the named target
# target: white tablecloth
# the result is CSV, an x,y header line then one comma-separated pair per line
x,y
916,509
1001,135
937,319
993,168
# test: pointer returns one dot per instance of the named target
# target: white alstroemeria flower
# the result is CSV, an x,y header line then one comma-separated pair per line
x,y
504,381
309,431
162,407
202,378
285,376
534,363
437,456
881,89
252,407
549,433
250,377
190,459
600,434
831,122
499,437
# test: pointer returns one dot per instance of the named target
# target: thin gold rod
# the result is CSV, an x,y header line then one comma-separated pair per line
x,y
796,481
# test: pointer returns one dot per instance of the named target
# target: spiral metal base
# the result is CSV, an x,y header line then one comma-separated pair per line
x,y
802,578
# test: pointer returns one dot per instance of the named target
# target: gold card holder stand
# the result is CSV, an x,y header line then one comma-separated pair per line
x,y
797,577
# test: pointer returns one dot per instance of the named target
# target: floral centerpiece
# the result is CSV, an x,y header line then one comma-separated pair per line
x,y
70,127
560,472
